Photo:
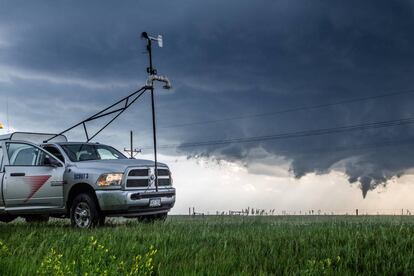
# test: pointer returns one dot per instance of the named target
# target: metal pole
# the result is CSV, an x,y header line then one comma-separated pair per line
x,y
155,138
154,132
132,145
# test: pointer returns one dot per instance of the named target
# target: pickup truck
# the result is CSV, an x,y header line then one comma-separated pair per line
x,y
85,182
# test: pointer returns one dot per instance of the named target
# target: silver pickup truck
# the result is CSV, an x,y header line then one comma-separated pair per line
x,y
85,182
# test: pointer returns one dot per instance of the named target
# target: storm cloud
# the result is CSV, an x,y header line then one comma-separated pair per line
x,y
229,61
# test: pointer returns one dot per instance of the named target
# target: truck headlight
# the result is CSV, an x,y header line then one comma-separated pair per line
x,y
110,179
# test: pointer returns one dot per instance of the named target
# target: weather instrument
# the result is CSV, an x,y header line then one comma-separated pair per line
x,y
122,105
152,38
150,83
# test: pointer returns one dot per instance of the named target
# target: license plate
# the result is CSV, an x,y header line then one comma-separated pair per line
x,y
156,202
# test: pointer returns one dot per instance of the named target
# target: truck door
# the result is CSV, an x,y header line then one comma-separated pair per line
x,y
33,178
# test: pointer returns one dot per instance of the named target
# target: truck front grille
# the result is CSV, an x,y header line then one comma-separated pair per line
x,y
139,172
163,172
164,182
144,178
134,183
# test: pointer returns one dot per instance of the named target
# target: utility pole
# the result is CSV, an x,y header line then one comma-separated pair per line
x,y
132,151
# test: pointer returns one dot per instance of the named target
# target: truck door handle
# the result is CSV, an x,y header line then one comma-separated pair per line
x,y
17,174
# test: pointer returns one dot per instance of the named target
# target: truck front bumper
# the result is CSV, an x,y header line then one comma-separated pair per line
x,y
134,202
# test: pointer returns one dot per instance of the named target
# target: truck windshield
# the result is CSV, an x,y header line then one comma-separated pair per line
x,y
87,152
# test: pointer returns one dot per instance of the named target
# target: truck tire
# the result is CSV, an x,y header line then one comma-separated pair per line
x,y
7,218
153,218
37,218
84,212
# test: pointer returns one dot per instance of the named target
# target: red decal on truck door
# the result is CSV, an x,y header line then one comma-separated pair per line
x,y
36,182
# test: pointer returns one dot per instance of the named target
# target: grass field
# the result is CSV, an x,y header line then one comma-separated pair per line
x,y
307,245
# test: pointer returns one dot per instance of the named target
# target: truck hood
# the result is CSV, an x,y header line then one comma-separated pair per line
x,y
119,165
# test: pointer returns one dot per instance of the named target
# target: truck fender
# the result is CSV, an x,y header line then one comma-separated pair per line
x,y
77,189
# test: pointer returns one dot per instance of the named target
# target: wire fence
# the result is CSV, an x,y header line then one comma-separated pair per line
x,y
311,212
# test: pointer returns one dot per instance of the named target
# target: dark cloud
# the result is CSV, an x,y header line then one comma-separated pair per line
x,y
226,59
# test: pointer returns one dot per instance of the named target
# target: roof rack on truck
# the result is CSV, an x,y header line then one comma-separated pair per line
x,y
36,138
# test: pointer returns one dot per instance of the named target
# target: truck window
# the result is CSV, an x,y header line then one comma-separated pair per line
x,y
80,152
86,152
56,152
1,158
105,153
25,155
22,154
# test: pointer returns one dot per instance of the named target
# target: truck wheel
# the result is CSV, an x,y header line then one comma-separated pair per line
x,y
153,218
37,218
84,212
7,218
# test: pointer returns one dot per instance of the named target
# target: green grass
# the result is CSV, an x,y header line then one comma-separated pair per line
x,y
305,245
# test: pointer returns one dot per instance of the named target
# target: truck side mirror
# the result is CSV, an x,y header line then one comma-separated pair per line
x,y
52,162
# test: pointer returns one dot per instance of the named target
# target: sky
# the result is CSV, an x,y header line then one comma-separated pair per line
x,y
262,91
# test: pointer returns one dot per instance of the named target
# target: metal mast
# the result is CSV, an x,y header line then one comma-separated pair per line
x,y
152,75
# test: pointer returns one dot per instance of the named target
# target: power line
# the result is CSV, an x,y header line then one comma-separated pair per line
x,y
296,134
294,109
